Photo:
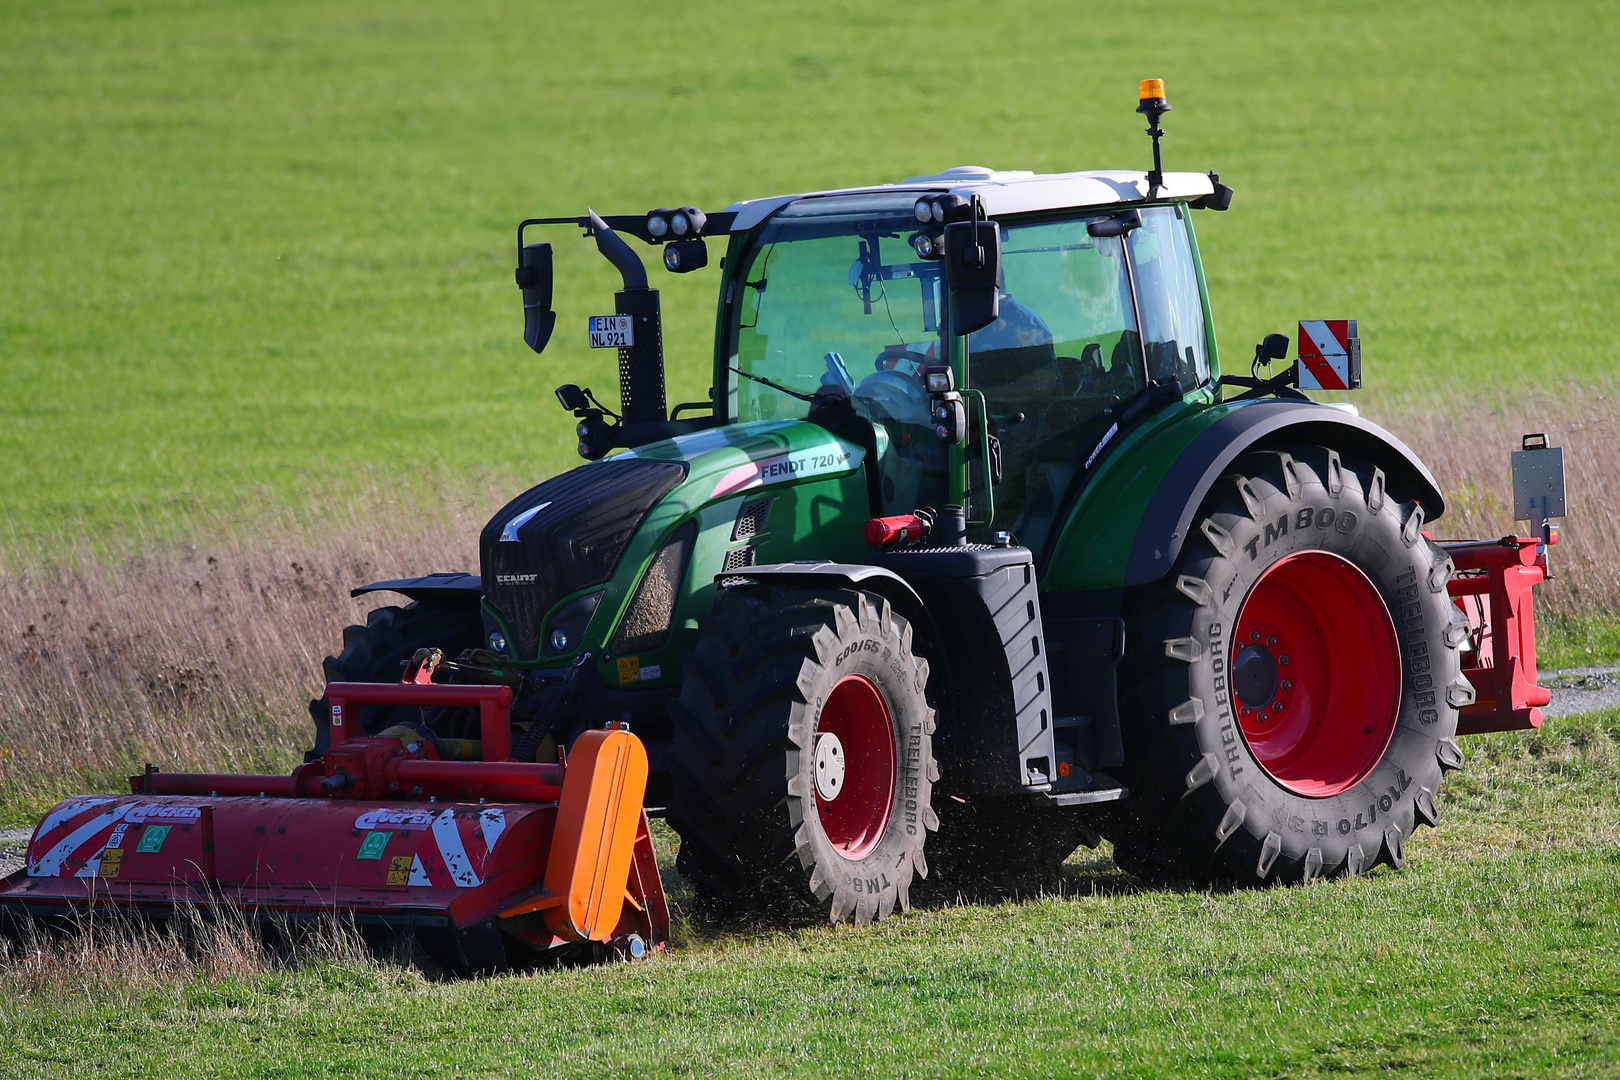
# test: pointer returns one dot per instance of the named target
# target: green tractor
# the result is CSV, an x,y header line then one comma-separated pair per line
x,y
971,556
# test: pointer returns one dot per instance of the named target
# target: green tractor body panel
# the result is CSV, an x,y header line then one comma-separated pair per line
x,y
1093,548
1132,517
815,495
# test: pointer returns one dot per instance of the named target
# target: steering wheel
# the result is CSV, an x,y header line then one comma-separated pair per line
x,y
889,395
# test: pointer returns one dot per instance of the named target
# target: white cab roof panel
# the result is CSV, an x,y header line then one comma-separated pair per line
x,y
1005,193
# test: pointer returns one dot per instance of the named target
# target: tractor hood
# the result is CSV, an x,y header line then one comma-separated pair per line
x,y
577,529
725,461
565,534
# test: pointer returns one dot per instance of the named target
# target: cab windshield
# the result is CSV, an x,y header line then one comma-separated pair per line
x,y
833,294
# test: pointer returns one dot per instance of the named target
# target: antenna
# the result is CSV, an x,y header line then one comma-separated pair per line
x,y
1153,104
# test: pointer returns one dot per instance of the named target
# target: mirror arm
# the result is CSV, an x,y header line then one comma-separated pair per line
x,y
1282,385
617,252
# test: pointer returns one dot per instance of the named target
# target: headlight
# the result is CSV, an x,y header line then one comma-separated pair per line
x,y
657,225
568,624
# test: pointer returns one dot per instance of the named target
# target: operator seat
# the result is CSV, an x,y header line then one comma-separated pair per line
x,y
1013,363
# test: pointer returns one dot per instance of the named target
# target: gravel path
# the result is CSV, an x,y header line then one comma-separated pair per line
x,y
1574,690
1582,689
13,845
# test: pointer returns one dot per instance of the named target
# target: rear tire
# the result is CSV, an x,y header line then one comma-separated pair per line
x,y
1315,745
775,817
377,652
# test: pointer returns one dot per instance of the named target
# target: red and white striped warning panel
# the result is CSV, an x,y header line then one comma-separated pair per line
x,y
1329,354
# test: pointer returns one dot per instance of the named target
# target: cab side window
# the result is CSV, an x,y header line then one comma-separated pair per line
x,y
1167,293
1064,352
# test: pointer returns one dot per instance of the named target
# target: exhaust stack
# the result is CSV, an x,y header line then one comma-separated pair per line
x,y
641,363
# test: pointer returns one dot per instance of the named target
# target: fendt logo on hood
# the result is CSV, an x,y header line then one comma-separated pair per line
x,y
160,812
516,579
406,820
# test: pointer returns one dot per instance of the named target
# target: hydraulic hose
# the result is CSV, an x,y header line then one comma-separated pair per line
x,y
553,699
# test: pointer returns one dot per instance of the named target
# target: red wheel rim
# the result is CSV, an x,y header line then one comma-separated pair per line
x,y
1316,674
857,811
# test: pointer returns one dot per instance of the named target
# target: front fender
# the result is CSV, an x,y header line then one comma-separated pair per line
x,y
886,583
442,588
1128,527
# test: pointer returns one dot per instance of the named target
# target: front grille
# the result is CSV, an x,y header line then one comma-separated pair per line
x,y
586,520
738,558
646,623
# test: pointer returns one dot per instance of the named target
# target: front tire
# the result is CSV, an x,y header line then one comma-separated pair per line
x,y
1294,682
802,762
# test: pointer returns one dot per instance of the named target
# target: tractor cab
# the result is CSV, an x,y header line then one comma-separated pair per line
x,y
848,293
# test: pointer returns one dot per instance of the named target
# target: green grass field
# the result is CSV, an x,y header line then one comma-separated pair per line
x,y
1496,953
248,247
256,256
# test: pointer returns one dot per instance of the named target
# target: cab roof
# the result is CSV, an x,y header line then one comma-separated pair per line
x,y
1005,192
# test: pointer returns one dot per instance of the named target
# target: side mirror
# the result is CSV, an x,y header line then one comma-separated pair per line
x,y
534,278
972,269
572,398
1117,225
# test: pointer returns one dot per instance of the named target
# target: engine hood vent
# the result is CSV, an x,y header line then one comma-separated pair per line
x,y
565,534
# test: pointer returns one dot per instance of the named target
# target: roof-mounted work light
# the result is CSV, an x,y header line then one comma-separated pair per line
x,y
939,209
687,221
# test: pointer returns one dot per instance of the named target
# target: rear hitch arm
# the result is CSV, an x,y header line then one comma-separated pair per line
x,y
1493,587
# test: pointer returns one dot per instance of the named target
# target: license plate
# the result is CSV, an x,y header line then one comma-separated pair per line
x,y
611,332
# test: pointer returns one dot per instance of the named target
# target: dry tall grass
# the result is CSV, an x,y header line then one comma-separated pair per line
x,y
1465,440
102,961
204,657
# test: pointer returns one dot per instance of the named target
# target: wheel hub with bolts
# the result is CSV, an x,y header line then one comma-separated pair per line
x,y
829,766
1316,673
854,762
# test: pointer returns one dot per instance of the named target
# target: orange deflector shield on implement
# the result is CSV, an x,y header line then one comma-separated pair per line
x,y
593,847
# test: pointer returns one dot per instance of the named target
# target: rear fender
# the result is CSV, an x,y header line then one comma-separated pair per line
x,y
1145,536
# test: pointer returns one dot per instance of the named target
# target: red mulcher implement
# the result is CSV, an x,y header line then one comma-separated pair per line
x,y
471,855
